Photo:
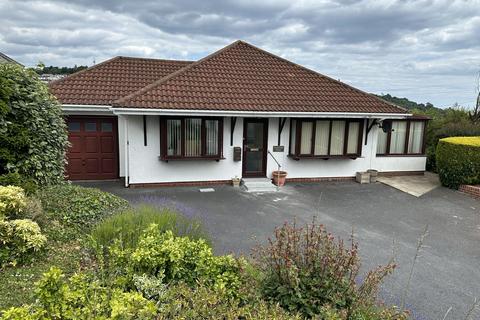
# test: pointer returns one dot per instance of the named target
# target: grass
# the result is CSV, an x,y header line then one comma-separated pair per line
x,y
129,225
16,282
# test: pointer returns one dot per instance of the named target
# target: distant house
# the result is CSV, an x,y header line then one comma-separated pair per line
x,y
6,59
229,115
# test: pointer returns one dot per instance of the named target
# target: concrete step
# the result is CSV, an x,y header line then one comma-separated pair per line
x,y
258,185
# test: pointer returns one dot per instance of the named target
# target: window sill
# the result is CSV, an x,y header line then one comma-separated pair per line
x,y
400,155
351,157
191,159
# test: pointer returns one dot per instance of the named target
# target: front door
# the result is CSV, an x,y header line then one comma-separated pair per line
x,y
255,147
93,152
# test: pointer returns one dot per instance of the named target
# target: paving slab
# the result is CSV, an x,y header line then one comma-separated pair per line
x,y
415,185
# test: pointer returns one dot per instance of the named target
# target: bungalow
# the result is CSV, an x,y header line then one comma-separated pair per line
x,y
234,113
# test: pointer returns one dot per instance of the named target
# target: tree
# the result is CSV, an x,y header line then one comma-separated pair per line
x,y
33,136
475,115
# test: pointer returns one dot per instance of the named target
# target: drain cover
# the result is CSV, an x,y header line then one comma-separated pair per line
x,y
207,190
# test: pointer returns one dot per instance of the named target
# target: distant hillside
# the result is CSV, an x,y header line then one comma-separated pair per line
x,y
408,104
59,70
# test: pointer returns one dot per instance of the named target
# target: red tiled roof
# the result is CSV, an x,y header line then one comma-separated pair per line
x,y
241,77
112,79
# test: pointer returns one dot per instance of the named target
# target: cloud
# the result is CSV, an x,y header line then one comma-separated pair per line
x,y
427,50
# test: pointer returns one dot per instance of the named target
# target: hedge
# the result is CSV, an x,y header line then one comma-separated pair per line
x,y
458,161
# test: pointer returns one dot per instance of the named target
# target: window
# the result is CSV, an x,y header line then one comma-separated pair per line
x,y
107,127
325,138
90,126
74,126
406,137
191,138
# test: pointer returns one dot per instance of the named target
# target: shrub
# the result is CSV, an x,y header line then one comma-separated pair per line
x,y
15,179
128,226
81,298
174,259
77,206
33,136
12,201
306,269
19,238
458,161
184,302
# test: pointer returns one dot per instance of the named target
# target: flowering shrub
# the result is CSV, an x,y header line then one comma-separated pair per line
x,y
81,298
176,259
18,238
307,270
12,201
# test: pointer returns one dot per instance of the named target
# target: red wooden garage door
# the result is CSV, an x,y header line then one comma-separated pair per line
x,y
93,154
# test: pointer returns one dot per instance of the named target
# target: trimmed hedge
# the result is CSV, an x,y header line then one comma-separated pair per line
x,y
458,161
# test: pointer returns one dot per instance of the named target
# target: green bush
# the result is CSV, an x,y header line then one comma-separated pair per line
x,y
12,201
81,298
18,239
306,270
77,206
15,179
174,259
184,302
458,161
33,135
128,226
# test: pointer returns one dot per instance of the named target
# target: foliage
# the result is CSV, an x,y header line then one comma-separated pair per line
x,y
33,136
81,298
305,270
59,70
79,207
408,104
128,226
458,161
174,259
446,123
12,201
184,302
18,238
15,179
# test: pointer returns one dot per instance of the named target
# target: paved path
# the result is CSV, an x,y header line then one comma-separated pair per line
x,y
447,272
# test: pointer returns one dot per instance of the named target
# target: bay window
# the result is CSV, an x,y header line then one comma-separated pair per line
x,y
406,138
191,138
321,138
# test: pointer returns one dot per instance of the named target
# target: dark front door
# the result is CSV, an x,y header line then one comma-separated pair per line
x,y
93,152
255,147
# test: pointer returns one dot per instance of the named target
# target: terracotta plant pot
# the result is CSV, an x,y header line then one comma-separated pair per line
x,y
279,178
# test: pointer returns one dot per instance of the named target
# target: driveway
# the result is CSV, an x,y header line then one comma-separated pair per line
x,y
385,222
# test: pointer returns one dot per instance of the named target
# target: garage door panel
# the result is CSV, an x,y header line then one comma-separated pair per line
x,y
91,165
75,144
107,144
91,144
93,154
108,165
74,166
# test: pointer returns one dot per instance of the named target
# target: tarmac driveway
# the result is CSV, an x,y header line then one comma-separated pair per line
x,y
385,222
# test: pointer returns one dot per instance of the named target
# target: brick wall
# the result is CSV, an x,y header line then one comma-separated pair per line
x,y
471,190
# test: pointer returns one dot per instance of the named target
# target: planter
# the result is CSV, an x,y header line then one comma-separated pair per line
x,y
279,178
373,175
363,177
236,182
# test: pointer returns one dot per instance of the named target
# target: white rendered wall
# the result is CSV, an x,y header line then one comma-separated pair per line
x,y
145,167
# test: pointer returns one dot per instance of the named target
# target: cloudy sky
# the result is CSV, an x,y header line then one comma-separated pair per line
x,y
425,50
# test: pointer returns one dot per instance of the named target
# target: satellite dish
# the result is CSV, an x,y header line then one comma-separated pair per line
x,y
386,125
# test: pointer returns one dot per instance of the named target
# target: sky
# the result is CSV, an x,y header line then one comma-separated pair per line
x,y
425,50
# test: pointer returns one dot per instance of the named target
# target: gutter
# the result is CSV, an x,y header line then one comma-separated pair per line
x,y
85,108
173,112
